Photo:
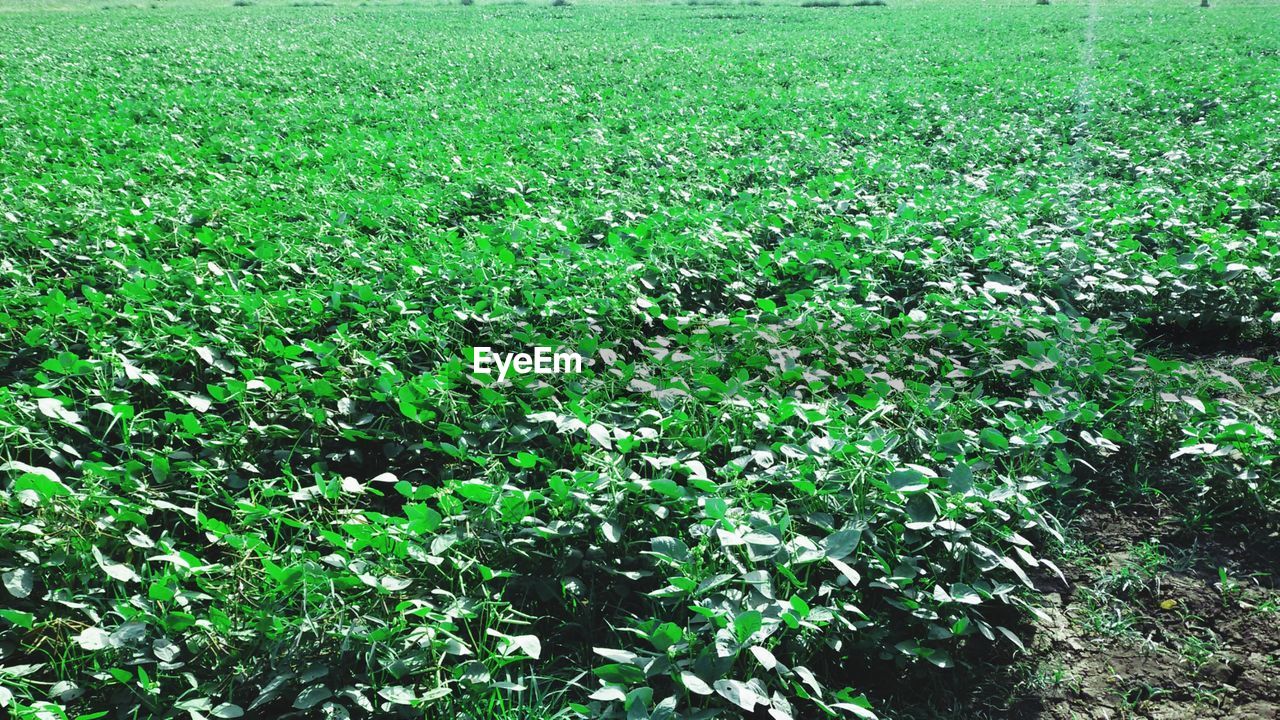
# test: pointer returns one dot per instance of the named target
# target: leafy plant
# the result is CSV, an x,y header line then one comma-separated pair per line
x,y
850,324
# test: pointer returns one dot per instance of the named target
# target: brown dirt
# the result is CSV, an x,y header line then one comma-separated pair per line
x,y
1168,642
1142,628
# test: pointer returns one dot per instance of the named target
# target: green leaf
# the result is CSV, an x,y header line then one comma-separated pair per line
x,y
620,673
227,710
18,617
841,543
993,438
907,481
53,408
856,710
739,693
312,696
398,695
476,492
19,582
799,605
601,435
695,684
669,547
529,644
848,572
618,656
961,479
41,485
747,624
524,460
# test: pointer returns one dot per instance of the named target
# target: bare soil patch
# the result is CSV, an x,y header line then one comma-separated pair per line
x,y
1154,621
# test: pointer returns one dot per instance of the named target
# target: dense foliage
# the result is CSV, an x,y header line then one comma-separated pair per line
x,y
861,290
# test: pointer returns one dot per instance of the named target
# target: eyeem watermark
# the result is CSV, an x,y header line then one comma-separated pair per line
x,y
543,361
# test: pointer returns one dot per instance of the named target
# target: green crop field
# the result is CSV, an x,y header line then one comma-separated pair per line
x,y
930,360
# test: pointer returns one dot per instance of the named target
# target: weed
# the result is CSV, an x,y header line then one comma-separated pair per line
x,y
1197,650
1228,587
1103,614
